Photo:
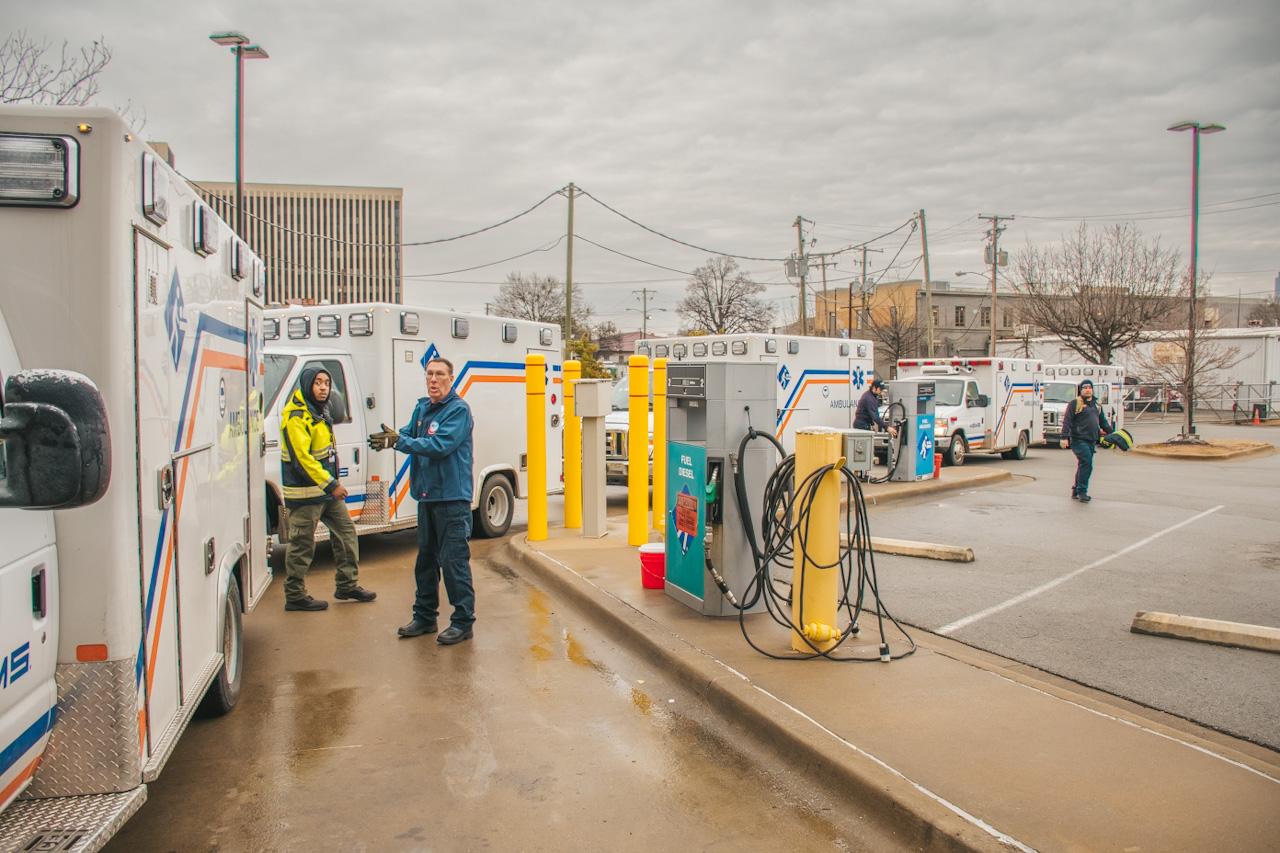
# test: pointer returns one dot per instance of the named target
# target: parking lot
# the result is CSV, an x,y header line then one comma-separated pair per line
x,y
1188,537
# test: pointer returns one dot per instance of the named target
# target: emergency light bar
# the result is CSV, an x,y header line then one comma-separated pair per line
x,y
155,190
739,347
699,350
41,171
544,337
328,326
360,325
509,333
271,329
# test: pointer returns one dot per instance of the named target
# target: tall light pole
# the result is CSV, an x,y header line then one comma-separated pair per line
x,y
240,46
1196,129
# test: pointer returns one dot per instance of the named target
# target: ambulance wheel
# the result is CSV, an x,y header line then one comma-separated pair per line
x,y
956,451
493,515
225,689
1019,452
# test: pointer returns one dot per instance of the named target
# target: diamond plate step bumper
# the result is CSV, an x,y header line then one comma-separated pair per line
x,y
67,824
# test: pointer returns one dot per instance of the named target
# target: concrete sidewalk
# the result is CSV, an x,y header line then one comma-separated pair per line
x,y
948,749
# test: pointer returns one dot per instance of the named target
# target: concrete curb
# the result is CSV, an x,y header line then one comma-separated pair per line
x,y
1257,637
1264,450
928,550
929,487
904,812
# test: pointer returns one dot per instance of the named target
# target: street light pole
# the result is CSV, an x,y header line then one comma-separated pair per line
x,y
240,46
1196,129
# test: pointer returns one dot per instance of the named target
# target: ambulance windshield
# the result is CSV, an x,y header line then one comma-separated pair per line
x,y
948,392
1059,392
278,367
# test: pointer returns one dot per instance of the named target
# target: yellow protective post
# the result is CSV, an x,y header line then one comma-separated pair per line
x,y
817,591
637,450
535,407
572,449
659,443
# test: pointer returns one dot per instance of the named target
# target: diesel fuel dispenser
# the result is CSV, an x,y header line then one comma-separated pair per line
x,y
710,408
911,411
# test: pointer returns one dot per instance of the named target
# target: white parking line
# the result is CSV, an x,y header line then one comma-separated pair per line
x,y
1005,605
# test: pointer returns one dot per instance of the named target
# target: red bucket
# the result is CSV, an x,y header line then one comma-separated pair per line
x,y
653,565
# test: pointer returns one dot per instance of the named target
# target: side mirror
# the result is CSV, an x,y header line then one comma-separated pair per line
x,y
983,401
55,445
338,407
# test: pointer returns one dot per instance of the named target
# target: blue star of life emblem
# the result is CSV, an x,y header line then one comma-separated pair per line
x,y
784,376
174,320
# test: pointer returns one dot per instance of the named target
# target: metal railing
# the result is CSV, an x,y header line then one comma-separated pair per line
x,y
1234,402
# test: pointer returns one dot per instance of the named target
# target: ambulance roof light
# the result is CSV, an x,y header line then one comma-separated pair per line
x,y
39,170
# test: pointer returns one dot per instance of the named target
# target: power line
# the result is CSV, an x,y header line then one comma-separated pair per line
x,y
544,248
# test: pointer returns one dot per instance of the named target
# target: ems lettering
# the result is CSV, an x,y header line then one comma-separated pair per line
x,y
15,665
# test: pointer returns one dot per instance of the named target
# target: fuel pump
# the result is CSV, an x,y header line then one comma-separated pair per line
x,y
911,411
710,407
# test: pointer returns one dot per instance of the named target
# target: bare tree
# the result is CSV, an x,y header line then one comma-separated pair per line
x,y
1266,314
1100,291
892,323
1167,362
28,73
722,300
607,336
540,298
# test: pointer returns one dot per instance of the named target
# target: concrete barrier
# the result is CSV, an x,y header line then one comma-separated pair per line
x,y
1257,637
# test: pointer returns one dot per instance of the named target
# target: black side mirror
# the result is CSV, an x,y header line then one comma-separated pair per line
x,y
983,401
55,444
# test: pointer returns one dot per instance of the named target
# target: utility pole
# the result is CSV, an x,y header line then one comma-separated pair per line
x,y
994,234
644,311
928,288
803,268
825,300
863,248
568,279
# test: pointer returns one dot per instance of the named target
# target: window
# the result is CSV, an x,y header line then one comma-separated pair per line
x,y
339,387
935,317
1006,320
277,367
971,394
986,316
959,316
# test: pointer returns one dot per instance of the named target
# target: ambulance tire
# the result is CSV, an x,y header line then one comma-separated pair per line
x,y
956,451
1020,451
224,692
492,516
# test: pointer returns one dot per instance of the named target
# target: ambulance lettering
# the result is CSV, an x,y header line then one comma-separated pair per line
x,y
15,665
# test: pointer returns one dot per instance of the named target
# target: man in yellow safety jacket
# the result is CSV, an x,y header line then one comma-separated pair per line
x,y
313,493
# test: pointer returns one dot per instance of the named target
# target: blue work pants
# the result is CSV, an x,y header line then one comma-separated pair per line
x,y
443,550
1084,465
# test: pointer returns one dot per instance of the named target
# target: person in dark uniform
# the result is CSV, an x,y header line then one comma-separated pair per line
x,y
1083,424
868,414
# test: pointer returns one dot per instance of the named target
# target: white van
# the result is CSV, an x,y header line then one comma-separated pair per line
x,y
819,381
376,353
983,405
121,615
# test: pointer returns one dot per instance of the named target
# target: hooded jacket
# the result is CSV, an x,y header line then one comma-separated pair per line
x,y
1083,420
308,457
438,441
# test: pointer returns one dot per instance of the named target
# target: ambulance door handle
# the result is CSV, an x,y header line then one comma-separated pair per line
x,y
357,451
39,600
165,486
262,444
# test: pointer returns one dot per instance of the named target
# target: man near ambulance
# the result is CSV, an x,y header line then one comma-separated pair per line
x,y
314,494
1083,423
438,443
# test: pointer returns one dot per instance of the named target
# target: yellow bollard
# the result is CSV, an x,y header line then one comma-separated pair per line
x,y
638,450
659,443
535,405
817,591
572,449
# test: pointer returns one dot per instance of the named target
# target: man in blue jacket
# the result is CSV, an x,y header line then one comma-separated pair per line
x,y
1083,423
438,442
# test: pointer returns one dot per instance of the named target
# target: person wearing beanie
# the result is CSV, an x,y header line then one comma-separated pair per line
x,y
1083,424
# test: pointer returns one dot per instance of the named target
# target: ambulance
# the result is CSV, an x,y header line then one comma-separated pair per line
x,y
983,405
121,598
1061,382
376,353
818,380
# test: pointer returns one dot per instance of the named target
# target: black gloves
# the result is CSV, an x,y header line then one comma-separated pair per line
x,y
385,439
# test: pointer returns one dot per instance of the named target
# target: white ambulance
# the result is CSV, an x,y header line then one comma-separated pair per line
x,y
819,381
376,353
1061,382
120,617
983,405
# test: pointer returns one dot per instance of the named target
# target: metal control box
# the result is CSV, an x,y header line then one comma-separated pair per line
x,y
859,449
911,409
710,407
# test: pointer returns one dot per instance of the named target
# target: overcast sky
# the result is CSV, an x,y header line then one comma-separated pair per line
x,y
718,123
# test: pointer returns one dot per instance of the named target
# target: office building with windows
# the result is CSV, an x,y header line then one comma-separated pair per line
x,y
320,244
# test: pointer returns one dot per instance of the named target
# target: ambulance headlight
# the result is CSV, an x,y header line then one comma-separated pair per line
x,y
39,170
940,423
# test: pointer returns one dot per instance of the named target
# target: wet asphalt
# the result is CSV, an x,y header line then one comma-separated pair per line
x,y
538,734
